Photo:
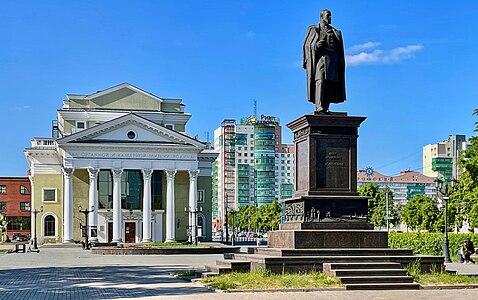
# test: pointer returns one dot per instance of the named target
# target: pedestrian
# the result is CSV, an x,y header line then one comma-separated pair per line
x,y
258,240
468,250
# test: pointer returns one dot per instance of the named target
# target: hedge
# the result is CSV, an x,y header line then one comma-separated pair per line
x,y
427,243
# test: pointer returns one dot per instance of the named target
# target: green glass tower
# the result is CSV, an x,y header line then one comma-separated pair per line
x,y
264,158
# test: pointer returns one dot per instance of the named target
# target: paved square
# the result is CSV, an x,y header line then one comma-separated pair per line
x,y
72,273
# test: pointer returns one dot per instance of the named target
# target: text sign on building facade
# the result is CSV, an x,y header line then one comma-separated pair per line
x,y
134,155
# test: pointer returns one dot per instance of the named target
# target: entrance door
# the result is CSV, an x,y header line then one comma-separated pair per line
x,y
110,232
130,230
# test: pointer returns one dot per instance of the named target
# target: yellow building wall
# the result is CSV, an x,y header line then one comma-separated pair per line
x,y
41,181
170,107
68,125
83,103
205,183
125,98
81,185
181,200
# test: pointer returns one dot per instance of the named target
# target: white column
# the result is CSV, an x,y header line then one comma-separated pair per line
x,y
170,215
147,206
93,202
117,217
193,203
68,206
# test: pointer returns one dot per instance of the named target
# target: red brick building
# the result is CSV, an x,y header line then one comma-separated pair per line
x,y
15,204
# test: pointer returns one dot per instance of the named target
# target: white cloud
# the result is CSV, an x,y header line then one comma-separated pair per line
x,y
19,108
379,56
362,47
250,34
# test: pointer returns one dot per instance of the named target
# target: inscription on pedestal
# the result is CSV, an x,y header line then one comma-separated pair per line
x,y
302,170
333,163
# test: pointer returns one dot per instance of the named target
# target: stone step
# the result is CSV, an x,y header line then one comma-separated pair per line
x,y
383,286
235,265
376,279
369,272
334,252
218,269
364,265
336,259
206,274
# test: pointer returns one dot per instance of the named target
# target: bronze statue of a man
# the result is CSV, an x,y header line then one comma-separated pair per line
x,y
324,61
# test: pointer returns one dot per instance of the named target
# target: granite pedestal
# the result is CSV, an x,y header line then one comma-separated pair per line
x,y
326,211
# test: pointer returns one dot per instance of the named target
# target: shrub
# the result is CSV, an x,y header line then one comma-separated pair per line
x,y
429,243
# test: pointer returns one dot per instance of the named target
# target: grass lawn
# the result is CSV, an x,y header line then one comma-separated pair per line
x,y
443,278
266,280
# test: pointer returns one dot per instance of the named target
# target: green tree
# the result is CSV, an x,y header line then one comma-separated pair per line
x,y
377,204
421,213
463,204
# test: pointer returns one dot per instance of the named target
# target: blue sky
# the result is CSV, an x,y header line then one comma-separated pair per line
x,y
412,67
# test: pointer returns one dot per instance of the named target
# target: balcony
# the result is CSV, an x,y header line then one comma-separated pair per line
x,y
44,143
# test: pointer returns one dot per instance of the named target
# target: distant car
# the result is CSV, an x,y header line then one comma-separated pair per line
x,y
20,238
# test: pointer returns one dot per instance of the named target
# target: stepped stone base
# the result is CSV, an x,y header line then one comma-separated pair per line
x,y
310,239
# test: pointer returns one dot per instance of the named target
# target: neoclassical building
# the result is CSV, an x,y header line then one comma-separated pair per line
x,y
122,154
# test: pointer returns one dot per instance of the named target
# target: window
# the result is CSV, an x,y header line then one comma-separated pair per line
x,y
49,226
18,223
239,160
169,126
24,190
49,195
3,189
131,135
245,148
80,125
25,206
157,190
105,189
3,206
200,196
245,154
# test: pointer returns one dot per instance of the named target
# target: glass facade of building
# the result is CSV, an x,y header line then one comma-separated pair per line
x,y
264,159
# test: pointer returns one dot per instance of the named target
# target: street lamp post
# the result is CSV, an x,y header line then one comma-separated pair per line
x,y
35,212
86,212
443,192
225,221
233,215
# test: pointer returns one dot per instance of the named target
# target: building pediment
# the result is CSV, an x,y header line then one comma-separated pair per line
x,y
130,129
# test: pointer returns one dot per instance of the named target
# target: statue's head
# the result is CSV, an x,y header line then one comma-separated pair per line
x,y
326,16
